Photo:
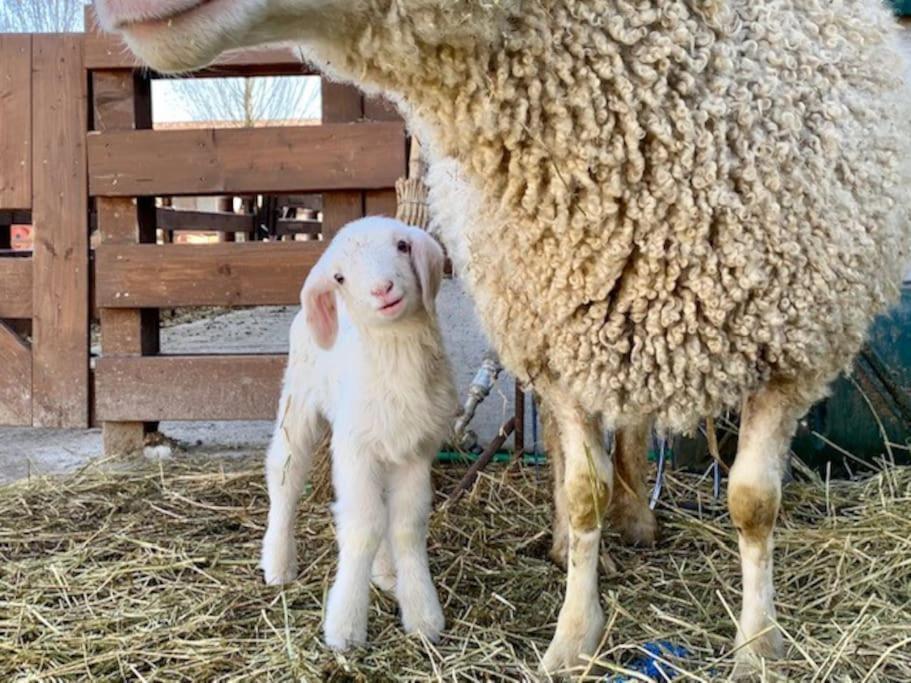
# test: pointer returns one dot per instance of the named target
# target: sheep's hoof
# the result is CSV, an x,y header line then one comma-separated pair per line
x,y
573,642
751,652
637,528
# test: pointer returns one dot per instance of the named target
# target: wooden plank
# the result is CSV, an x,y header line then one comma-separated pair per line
x,y
178,219
380,203
15,121
341,208
60,353
121,101
15,379
340,104
380,109
169,275
242,387
246,160
15,288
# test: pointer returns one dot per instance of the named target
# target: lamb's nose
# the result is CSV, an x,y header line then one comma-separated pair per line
x,y
383,289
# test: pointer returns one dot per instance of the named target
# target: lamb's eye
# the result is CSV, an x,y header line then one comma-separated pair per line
x,y
339,278
403,246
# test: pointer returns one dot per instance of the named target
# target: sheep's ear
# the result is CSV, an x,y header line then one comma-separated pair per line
x,y
427,256
318,302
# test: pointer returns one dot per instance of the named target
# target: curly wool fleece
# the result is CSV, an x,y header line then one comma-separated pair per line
x,y
659,205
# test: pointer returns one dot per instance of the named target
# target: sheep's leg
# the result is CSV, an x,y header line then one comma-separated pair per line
x,y
768,422
410,499
360,516
587,483
629,512
559,548
288,463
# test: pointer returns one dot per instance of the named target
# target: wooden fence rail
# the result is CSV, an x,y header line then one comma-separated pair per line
x,y
78,151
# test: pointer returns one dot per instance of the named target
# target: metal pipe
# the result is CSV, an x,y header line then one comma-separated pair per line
x,y
480,387
659,477
519,439
472,474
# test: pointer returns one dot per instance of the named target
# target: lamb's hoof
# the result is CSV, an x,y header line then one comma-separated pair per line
x,y
279,567
639,529
385,582
573,644
428,622
345,635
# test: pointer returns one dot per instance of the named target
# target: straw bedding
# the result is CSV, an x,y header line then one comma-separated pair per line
x,y
149,573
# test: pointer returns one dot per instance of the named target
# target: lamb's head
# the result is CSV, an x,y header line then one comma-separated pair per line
x,y
384,271
182,35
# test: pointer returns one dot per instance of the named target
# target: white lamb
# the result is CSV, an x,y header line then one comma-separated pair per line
x,y
366,361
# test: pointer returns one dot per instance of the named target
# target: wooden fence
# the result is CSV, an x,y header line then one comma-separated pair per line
x,y
77,150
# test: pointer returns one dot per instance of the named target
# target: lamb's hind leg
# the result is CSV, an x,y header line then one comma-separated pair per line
x,y
768,422
587,484
629,512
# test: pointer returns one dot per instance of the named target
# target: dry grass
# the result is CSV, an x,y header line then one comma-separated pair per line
x,y
150,574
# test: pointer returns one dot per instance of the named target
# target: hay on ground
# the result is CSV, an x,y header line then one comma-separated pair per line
x,y
151,574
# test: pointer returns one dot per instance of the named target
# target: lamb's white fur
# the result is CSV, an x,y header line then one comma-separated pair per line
x,y
383,386
663,208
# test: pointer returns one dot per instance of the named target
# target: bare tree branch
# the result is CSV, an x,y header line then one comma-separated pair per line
x,y
41,16
248,101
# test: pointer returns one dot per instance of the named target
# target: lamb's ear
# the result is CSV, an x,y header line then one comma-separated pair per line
x,y
427,256
318,302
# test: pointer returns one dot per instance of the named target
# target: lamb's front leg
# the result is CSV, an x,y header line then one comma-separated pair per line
x,y
587,483
360,518
410,499
297,433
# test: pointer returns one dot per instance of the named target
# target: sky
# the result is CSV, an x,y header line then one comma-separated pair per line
x,y
168,104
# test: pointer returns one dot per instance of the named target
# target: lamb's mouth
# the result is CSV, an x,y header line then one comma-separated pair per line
x,y
166,17
391,308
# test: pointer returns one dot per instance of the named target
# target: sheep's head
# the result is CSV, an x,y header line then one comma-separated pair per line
x,y
182,35
384,271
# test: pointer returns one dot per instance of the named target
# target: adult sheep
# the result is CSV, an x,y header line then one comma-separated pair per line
x,y
663,209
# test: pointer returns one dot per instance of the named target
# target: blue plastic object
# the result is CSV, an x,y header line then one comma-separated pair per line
x,y
650,666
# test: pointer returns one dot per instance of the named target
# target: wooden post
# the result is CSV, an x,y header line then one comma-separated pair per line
x,y
341,104
60,360
15,121
380,202
122,101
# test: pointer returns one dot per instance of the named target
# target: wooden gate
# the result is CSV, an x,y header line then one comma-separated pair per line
x,y
44,295
61,153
